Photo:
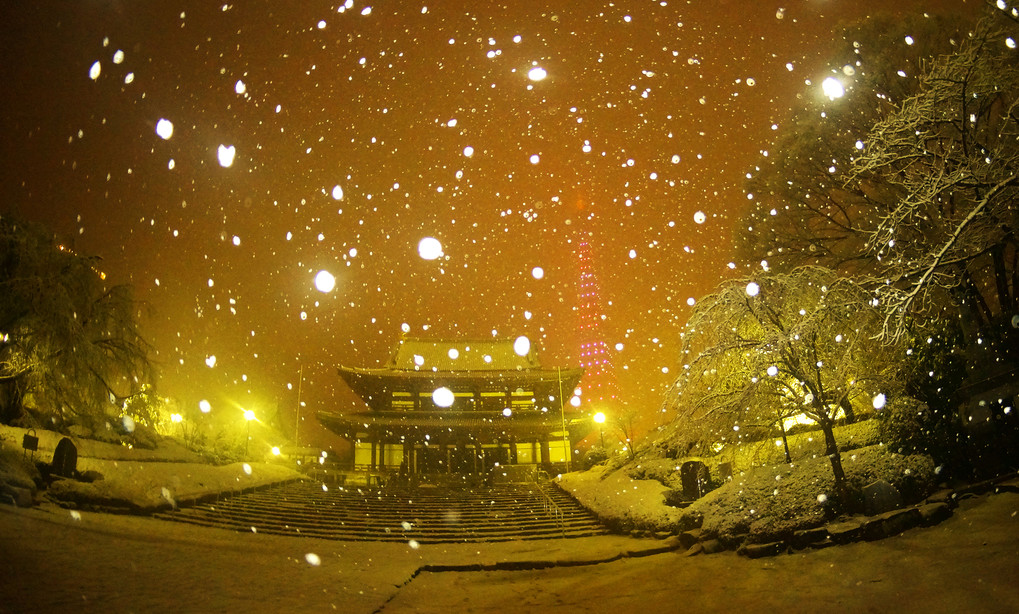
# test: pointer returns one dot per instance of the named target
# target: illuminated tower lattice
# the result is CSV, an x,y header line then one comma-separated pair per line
x,y
599,386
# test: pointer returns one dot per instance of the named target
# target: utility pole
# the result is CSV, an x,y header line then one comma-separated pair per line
x,y
562,413
297,422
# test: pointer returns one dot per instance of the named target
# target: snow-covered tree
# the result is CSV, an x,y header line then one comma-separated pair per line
x,y
803,211
66,337
760,352
952,152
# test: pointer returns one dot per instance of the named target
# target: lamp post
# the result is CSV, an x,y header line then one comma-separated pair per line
x,y
249,415
178,419
600,419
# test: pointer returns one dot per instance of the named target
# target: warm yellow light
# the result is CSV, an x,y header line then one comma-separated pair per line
x,y
833,88
790,422
176,418
249,414
599,417
275,450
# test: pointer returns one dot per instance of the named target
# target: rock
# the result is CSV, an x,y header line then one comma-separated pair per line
x,y
668,545
809,537
891,523
712,546
756,551
674,497
933,513
1011,485
691,537
844,532
90,476
977,488
900,520
661,534
20,497
944,495
821,544
65,458
731,542
694,550
880,497
691,519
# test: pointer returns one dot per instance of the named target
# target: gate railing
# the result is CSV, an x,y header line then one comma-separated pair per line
x,y
552,509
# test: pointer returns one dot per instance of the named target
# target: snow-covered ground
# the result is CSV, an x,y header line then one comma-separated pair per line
x,y
148,486
621,501
761,502
54,561
140,480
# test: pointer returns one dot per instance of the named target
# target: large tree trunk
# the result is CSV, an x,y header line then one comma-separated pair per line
x,y
11,400
1005,299
785,441
975,300
847,409
832,450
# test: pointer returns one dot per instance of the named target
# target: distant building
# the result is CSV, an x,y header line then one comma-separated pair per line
x,y
460,407
600,386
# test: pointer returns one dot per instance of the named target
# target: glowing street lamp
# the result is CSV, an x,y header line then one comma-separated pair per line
x,y
249,415
600,419
178,419
833,88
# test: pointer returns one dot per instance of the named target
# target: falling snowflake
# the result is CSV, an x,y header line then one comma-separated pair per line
x,y
164,128
429,248
325,281
443,397
226,154
522,346
537,74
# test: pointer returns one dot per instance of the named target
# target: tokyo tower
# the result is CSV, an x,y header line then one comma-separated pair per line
x,y
599,387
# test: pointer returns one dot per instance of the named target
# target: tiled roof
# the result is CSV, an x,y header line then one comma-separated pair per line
x,y
443,426
461,355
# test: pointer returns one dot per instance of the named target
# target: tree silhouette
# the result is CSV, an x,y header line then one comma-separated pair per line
x,y
803,210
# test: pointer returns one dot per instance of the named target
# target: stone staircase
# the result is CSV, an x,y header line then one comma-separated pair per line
x,y
427,515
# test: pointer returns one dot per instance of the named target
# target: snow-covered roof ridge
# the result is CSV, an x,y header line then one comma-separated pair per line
x,y
414,354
